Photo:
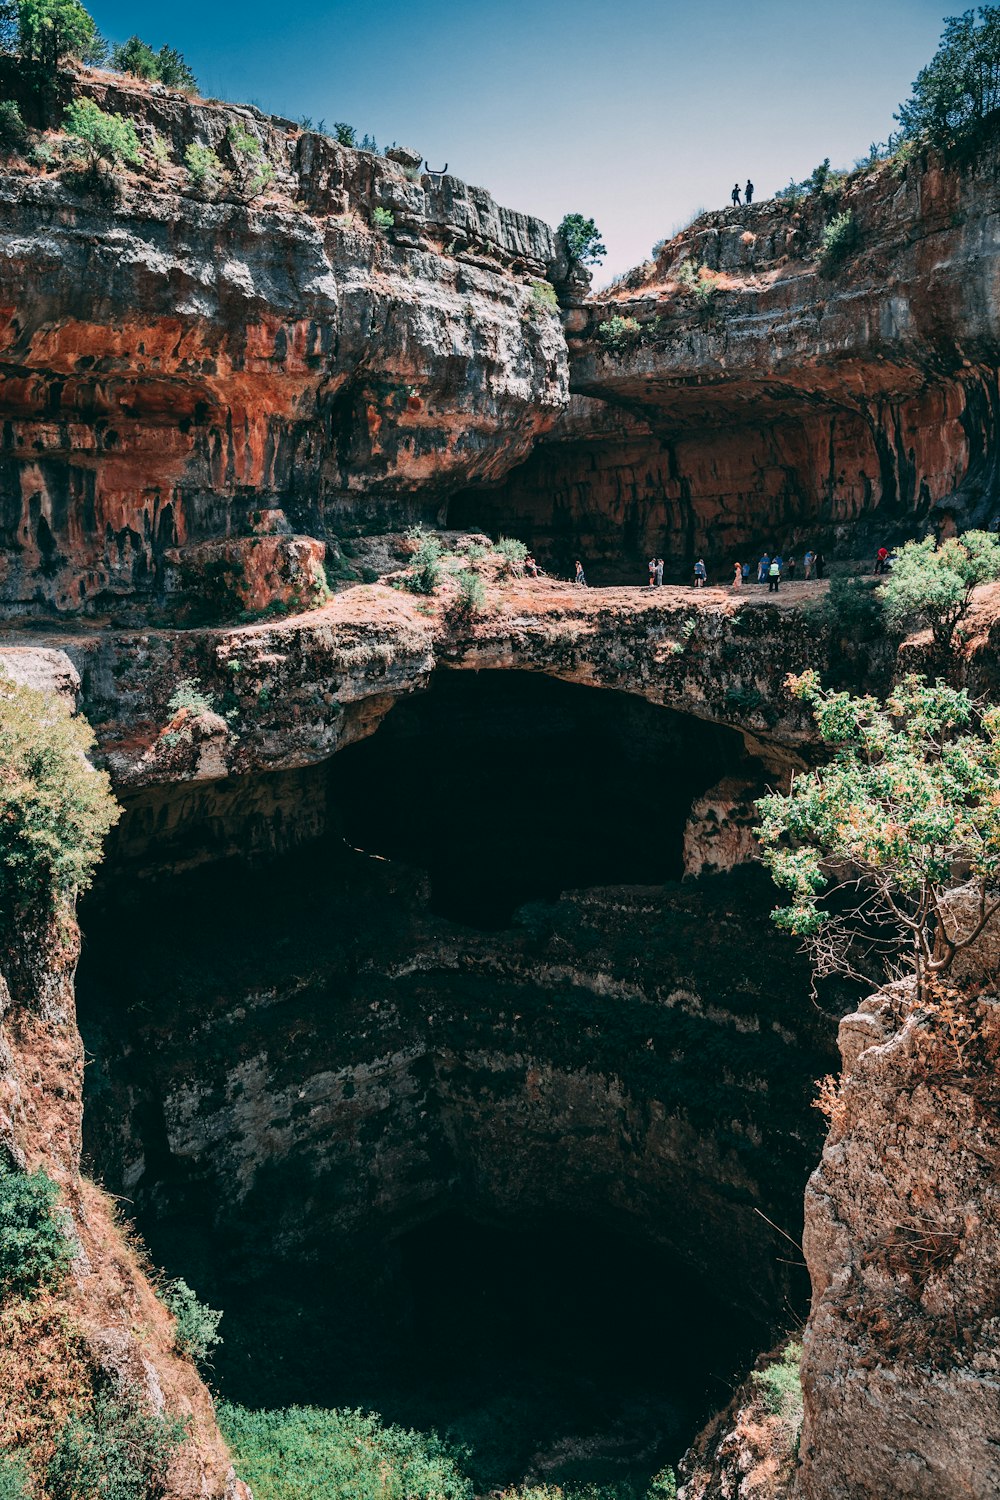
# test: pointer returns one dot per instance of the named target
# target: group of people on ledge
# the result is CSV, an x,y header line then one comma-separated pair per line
x,y
771,569
748,192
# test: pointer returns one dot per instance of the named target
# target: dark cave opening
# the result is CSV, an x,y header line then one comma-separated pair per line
x,y
553,1349
509,787
420,1165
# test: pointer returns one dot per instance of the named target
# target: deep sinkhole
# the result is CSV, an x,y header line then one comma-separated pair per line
x,y
508,787
438,1143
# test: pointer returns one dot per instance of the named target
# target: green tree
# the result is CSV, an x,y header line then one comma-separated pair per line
x,y
55,810
166,66
935,585
174,72
344,134
871,844
49,30
960,87
136,57
106,137
582,240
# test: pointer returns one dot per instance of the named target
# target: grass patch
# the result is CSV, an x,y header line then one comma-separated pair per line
x,y
305,1453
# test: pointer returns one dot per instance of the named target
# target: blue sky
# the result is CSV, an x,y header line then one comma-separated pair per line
x,y
638,112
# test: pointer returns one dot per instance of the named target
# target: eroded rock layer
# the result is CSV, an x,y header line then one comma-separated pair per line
x,y
172,366
793,407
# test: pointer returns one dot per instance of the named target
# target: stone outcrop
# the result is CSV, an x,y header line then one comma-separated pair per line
x,y
232,356
902,1354
790,408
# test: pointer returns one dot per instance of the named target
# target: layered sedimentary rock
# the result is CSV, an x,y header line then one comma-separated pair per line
x,y
174,366
790,407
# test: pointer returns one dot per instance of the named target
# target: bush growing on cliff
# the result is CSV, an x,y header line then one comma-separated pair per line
x,y
13,134
205,170
543,297
852,608
104,137
34,1249
959,90
471,598
254,172
382,218
838,240
582,240
617,333
116,1450
424,573
935,586
55,810
513,555
188,694
869,845
304,1453
196,1329
780,1388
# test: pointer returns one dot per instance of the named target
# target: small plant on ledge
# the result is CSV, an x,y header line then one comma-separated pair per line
x,y
382,218
839,241
619,333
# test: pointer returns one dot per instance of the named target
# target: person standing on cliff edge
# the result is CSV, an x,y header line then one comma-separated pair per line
x,y
659,572
580,579
735,195
748,192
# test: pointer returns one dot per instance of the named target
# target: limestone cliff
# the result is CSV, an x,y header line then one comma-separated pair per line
x,y
174,365
790,405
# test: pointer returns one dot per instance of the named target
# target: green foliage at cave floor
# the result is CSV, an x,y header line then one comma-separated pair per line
x,y
117,1450
34,1249
908,800
304,1453
934,585
55,810
958,91
582,239
106,137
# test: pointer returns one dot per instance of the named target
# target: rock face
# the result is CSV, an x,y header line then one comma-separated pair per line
x,y
105,1319
902,1369
234,356
791,408
303,1048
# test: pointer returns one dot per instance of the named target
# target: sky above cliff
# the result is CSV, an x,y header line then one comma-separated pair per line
x,y
638,113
